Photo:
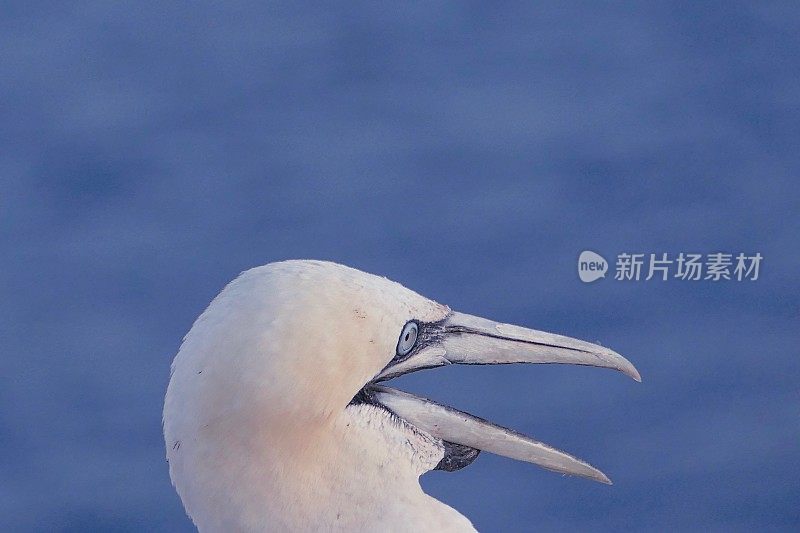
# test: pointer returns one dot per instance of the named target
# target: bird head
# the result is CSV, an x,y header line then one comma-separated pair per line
x,y
287,347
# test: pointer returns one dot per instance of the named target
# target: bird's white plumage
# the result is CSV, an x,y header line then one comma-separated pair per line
x,y
257,426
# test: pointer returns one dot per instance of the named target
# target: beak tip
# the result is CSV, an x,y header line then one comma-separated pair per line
x,y
626,367
596,475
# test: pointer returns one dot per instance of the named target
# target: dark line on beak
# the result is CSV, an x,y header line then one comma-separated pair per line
x,y
470,331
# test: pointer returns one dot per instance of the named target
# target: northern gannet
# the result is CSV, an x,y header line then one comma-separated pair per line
x,y
276,417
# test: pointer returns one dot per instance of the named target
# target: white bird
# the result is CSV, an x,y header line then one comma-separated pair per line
x,y
274,418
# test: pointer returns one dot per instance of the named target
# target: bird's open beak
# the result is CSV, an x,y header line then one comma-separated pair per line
x,y
467,339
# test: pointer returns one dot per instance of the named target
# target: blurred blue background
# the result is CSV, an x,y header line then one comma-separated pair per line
x,y
150,152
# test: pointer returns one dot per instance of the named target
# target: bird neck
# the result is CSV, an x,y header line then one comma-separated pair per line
x,y
358,470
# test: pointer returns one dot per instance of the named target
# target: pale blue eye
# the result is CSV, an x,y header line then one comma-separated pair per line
x,y
408,338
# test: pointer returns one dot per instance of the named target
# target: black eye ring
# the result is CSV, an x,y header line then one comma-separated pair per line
x,y
408,338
